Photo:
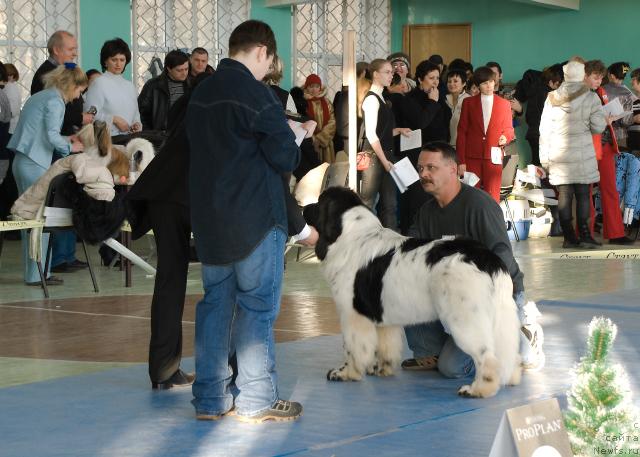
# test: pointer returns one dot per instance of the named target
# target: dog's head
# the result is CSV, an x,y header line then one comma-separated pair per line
x,y
141,152
326,215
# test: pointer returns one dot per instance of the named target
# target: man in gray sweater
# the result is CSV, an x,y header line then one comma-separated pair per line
x,y
455,209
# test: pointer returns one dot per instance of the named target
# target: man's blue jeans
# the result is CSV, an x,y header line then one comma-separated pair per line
x,y
431,339
237,313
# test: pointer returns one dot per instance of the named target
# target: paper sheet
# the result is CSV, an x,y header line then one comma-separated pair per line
x,y
404,174
615,109
413,141
298,130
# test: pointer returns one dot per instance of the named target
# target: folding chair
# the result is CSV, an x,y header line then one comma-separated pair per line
x,y
509,169
57,212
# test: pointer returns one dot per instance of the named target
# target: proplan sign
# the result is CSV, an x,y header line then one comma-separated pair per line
x,y
537,430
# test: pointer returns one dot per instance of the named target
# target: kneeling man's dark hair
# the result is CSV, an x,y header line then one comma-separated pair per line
x,y
250,34
447,151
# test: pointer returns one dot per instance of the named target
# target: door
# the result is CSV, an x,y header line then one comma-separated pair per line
x,y
449,40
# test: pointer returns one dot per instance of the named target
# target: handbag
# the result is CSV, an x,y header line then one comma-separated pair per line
x,y
363,158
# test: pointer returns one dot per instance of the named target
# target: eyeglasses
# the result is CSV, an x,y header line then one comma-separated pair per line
x,y
398,64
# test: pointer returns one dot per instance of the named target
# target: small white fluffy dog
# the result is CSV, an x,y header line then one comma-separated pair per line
x,y
382,281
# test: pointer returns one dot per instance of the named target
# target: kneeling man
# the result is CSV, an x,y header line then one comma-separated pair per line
x,y
455,209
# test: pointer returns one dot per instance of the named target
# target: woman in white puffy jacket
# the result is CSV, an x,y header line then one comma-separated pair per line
x,y
571,115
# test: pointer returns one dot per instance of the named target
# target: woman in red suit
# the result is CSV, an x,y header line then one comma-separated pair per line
x,y
485,123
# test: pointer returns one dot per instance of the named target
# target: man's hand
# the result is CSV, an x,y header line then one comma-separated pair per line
x,y
502,140
405,131
310,127
515,105
312,239
87,118
76,145
122,125
136,127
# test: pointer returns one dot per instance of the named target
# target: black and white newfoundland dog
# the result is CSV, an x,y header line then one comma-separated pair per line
x,y
382,281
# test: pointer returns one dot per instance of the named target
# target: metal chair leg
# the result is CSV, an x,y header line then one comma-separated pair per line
x,y
93,276
49,252
513,222
43,280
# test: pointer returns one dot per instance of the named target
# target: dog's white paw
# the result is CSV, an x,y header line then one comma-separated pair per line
x,y
344,373
380,369
467,391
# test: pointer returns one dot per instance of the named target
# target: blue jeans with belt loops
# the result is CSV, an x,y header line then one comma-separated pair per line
x,y
237,313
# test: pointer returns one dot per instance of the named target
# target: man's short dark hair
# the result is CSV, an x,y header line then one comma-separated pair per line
x,y
595,66
459,72
112,48
250,34
437,59
200,51
494,64
619,69
635,74
457,63
482,75
175,58
424,68
447,151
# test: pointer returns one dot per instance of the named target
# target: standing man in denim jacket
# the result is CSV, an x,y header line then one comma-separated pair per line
x,y
240,144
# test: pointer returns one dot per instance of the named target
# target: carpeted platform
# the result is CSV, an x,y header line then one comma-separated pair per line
x,y
115,413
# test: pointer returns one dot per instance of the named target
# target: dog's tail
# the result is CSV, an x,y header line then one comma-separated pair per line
x,y
506,330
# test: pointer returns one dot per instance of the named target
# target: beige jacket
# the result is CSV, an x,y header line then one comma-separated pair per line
x,y
323,139
89,169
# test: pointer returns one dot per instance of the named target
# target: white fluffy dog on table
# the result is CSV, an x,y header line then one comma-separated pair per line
x,y
382,281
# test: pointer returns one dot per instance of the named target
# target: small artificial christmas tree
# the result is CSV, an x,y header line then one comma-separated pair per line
x,y
601,417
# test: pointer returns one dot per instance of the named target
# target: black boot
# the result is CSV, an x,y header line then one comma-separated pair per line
x,y
586,240
570,238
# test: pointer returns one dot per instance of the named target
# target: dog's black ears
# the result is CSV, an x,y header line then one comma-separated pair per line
x,y
322,247
311,214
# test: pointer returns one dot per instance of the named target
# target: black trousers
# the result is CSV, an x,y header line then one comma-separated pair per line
x,y
172,229
534,143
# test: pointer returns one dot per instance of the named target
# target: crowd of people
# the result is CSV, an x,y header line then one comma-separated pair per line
x,y
226,153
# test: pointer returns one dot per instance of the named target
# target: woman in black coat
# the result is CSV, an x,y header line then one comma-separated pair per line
x,y
159,201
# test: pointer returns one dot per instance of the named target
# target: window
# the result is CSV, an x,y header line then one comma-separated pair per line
x,y
25,27
318,37
162,25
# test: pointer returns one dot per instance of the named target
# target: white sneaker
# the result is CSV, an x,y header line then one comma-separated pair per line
x,y
531,313
531,341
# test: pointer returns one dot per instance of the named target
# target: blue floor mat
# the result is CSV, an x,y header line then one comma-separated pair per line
x,y
115,413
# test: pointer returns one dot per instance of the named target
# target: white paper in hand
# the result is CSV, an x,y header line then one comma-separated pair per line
x,y
413,141
496,155
404,174
470,179
298,130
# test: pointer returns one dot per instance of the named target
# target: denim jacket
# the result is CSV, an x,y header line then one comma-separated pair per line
x,y
240,144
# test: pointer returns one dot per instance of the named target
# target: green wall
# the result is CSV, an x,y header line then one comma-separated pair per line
x,y
102,20
280,21
521,36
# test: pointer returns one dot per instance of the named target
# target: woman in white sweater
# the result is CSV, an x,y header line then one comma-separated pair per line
x,y
115,98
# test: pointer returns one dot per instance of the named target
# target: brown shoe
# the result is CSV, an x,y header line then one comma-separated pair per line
x,y
421,363
280,411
